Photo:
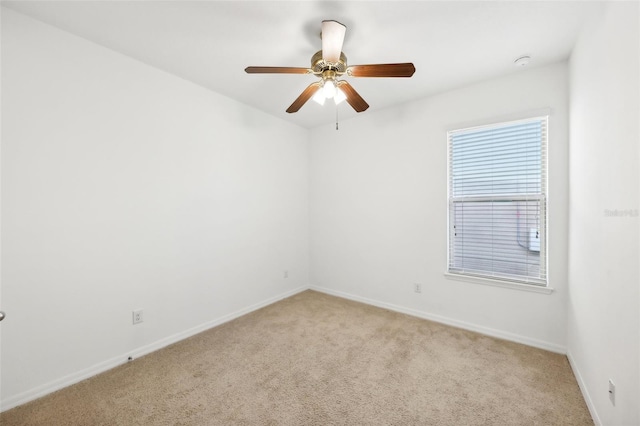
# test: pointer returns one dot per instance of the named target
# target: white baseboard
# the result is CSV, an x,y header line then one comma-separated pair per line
x,y
101,367
583,389
552,347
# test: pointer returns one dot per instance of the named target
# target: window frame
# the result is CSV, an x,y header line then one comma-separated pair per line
x,y
540,285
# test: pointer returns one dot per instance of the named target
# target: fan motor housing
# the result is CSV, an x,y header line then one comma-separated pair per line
x,y
318,65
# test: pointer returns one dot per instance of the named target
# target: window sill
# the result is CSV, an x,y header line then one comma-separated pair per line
x,y
499,283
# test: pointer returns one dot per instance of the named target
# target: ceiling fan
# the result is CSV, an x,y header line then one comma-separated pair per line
x,y
329,64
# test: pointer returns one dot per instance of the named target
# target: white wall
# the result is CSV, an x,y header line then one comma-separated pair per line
x,y
123,188
603,321
379,208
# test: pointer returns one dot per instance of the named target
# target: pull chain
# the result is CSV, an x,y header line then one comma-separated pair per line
x,y
337,117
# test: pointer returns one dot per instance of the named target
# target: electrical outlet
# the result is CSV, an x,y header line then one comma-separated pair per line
x,y
417,287
286,274
612,392
137,316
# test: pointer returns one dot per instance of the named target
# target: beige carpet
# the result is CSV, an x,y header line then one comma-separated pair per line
x,y
314,359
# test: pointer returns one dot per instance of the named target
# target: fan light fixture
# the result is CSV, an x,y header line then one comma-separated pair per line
x,y
319,97
329,91
339,96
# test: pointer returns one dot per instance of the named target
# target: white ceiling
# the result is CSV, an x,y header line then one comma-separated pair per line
x,y
452,43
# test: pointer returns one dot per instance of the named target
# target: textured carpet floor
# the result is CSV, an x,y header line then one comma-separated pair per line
x,y
314,359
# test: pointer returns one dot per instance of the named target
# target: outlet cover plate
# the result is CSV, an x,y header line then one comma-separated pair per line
x,y
137,316
612,392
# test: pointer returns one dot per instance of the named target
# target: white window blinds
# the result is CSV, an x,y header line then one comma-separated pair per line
x,y
497,201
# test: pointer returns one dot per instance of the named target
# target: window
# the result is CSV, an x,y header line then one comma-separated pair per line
x,y
497,201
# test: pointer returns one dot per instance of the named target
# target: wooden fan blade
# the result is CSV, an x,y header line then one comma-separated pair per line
x,y
304,97
382,70
354,99
277,70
